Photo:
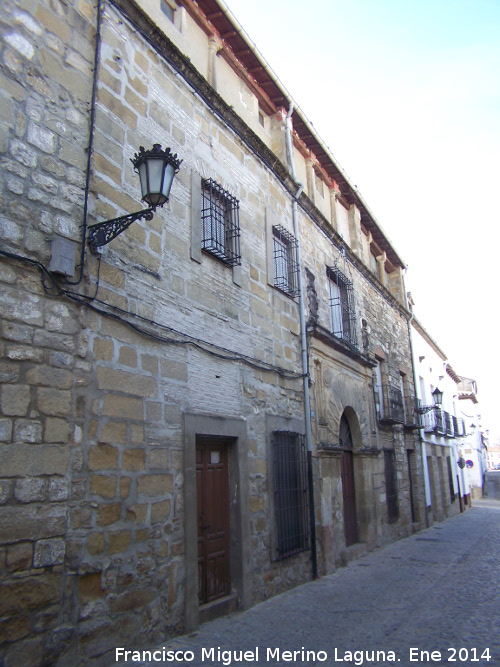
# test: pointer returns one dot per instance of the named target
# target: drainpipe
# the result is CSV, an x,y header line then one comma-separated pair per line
x,y
303,344
420,437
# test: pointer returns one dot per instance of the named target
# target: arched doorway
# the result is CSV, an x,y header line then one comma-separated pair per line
x,y
348,490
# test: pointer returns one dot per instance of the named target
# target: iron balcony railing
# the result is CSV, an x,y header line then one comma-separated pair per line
x,y
448,420
393,409
435,421
413,416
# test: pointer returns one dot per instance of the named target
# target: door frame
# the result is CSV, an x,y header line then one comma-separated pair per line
x,y
234,431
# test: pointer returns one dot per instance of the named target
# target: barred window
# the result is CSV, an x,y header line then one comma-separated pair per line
x,y
285,261
342,312
220,224
290,493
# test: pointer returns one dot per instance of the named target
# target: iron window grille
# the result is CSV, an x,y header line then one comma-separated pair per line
x,y
220,223
285,261
291,502
342,311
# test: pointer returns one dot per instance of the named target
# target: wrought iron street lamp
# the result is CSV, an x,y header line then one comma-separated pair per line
x,y
156,169
437,395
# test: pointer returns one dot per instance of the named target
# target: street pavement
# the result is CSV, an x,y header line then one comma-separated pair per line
x,y
430,599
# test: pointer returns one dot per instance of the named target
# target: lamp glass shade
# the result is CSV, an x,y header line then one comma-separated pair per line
x,y
437,395
157,169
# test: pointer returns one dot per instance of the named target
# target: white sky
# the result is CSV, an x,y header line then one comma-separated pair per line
x,y
406,94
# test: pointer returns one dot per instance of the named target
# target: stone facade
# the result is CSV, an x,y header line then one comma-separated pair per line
x,y
117,368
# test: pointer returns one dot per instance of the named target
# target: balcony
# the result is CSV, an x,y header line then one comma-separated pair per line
x,y
393,410
448,422
435,422
413,417
459,426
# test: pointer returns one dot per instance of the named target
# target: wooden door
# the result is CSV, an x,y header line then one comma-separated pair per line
x,y
348,489
214,578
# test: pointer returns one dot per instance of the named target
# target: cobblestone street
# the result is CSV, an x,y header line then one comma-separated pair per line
x,y
437,592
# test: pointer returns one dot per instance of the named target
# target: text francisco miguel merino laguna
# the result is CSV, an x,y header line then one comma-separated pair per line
x,y
226,657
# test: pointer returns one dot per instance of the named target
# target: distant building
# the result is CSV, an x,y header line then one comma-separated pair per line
x,y
475,444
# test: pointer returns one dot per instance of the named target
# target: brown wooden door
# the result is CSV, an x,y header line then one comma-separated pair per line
x,y
348,490
214,579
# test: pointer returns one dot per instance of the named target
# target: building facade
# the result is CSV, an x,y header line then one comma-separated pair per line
x,y
219,403
444,433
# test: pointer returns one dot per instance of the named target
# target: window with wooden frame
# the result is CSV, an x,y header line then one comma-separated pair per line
x,y
285,261
291,503
220,224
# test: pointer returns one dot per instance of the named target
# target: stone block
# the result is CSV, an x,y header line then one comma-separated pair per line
x,y
54,402
27,430
154,485
30,593
33,460
158,459
15,400
57,430
114,432
103,486
119,541
14,628
108,514
124,485
95,544
160,511
129,383
103,457
19,556
30,489
49,552
132,600
58,489
174,370
103,349
133,459
5,430
89,587
138,513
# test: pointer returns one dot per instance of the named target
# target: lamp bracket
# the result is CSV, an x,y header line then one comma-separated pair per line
x,y
103,232
424,409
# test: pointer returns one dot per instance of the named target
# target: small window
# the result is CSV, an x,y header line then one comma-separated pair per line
x,y
220,224
290,493
342,312
262,119
284,260
167,9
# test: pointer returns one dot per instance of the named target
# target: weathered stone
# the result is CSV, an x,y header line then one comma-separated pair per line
x,y
119,541
49,552
19,556
108,514
95,544
30,489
